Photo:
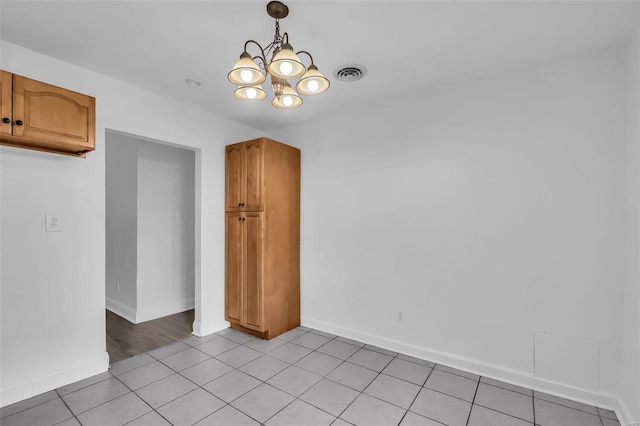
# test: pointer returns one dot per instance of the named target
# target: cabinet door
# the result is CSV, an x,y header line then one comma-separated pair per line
x,y
254,160
6,101
234,177
254,271
234,269
51,114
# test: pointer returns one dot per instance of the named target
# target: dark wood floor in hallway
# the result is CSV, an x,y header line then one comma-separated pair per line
x,y
125,339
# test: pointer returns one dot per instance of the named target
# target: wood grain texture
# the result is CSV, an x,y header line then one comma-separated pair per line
x,y
282,237
268,245
234,269
234,177
125,339
6,101
53,119
254,176
254,271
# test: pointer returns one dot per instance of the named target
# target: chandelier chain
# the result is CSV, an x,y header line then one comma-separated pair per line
x,y
277,38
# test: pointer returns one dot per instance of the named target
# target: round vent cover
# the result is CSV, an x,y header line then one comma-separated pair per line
x,y
353,72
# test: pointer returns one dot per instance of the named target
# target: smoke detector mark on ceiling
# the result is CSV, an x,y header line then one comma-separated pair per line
x,y
193,82
349,73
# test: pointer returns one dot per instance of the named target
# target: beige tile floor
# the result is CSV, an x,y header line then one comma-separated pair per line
x,y
303,377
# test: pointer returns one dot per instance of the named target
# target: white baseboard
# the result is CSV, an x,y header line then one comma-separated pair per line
x,y
204,329
151,313
53,381
136,316
624,415
515,377
121,309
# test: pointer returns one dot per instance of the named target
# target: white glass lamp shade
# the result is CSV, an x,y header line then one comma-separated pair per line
x,y
286,64
250,93
246,72
288,100
312,82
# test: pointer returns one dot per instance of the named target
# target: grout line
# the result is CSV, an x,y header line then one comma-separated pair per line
x,y
134,392
66,405
473,401
420,390
28,408
572,408
506,414
510,390
454,371
452,396
533,404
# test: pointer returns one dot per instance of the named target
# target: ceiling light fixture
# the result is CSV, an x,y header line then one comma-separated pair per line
x,y
250,72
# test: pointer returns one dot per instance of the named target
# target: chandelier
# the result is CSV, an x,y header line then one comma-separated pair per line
x,y
250,72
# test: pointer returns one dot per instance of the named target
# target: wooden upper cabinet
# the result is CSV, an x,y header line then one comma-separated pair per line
x,y
45,117
245,176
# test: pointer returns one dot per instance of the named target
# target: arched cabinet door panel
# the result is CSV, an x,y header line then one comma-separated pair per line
x,y
234,177
46,117
244,177
254,175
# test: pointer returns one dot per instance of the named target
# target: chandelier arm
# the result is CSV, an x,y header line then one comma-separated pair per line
x,y
260,60
262,55
269,49
306,53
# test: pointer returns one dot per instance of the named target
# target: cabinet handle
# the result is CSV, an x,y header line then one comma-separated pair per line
x,y
239,219
243,219
239,204
19,122
242,204
6,120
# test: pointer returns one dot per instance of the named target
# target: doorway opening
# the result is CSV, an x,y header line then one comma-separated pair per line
x,y
150,244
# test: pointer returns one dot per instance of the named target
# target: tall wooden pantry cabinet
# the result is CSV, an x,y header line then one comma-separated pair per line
x,y
262,233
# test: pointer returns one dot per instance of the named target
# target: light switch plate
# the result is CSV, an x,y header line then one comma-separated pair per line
x,y
52,223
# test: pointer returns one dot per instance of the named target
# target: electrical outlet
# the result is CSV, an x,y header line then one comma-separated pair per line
x,y
52,223
400,317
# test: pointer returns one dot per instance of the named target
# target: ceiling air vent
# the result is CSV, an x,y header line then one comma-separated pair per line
x,y
349,73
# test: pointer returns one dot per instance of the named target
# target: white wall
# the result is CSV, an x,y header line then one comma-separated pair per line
x,y
150,228
165,230
491,213
630,362
53,284
121,224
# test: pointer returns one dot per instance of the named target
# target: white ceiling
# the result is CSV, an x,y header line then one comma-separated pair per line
x,y
405,45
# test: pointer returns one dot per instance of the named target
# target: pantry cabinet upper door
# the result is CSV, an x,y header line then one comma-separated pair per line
x,y
235,177
254,154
